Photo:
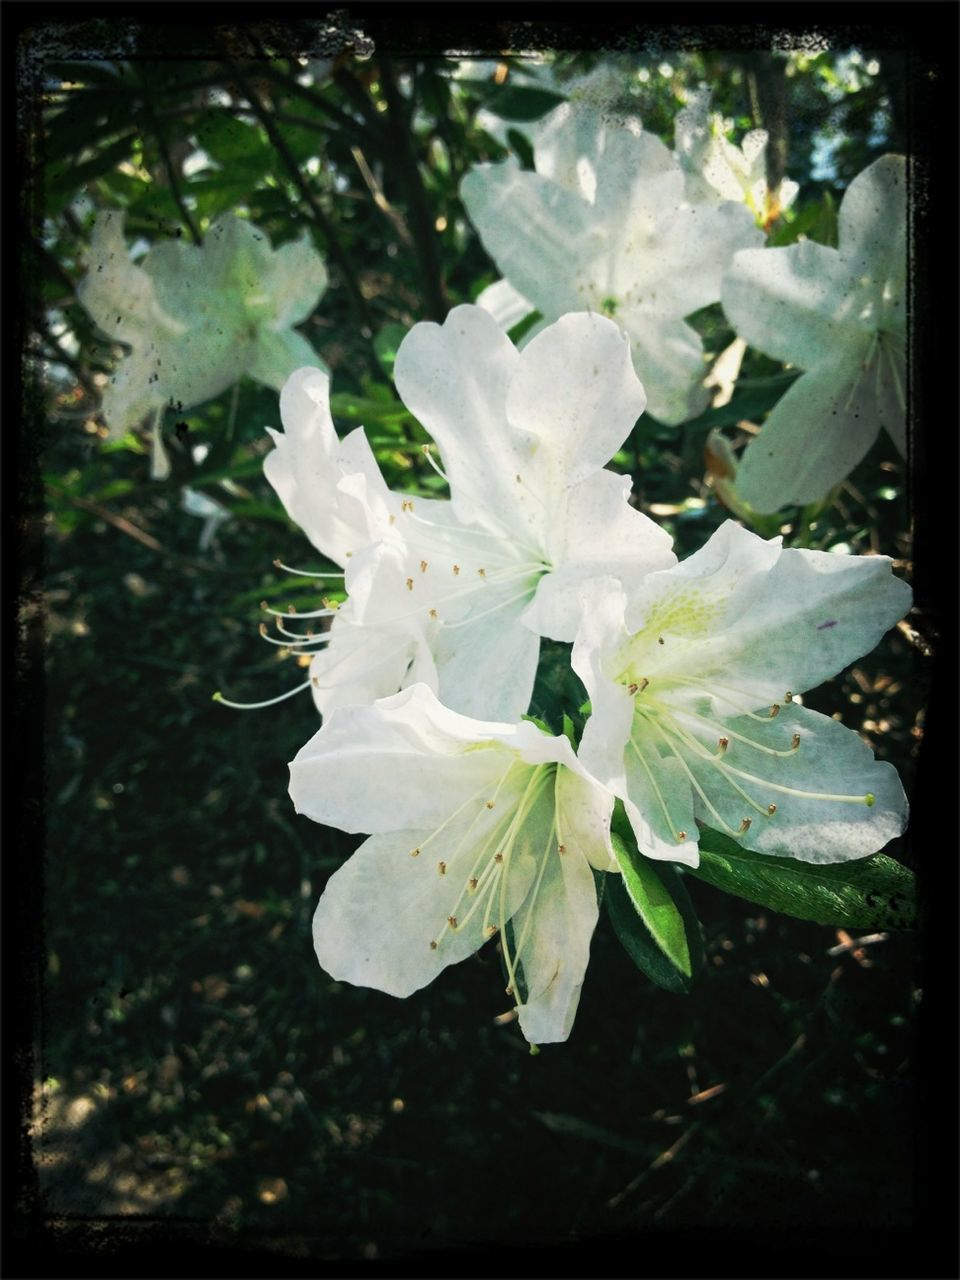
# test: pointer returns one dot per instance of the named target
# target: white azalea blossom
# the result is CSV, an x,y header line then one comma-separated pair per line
x,y
840,315
198,318
693,677
476,829
458,593
604,224
717,169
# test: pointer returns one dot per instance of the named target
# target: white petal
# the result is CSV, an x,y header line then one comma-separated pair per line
x,y
562,917
831,761
426,760
873,232
309,463
745,616
379,913
488,667
583,813
658,800
695,245
294,279
506,304
454,378
541,236
598,534
279,353
117,294
817,432
575,391
797,304
668,358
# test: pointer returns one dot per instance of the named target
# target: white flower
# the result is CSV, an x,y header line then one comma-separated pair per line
x,y
458,593
477,829
603,224
839,314
198,318
717,170
692,680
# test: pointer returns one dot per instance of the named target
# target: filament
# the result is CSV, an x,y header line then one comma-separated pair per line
x,y
305,573
255,706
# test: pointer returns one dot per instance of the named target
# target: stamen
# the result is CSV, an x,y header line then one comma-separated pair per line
x,y
433,946
745,826
407,504
442,868
414,853
788,696
771,809
456,570
305,573
255,706
423,566
774,711
290,612
425,450
482,573
485,613
452,921
409,584
472,884
653,783
681,836
638,688
723,742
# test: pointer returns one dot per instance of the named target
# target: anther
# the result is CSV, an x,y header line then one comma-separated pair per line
x,y
315,681
415,853
263,628
329,603
433,946
433,613
452,921
482,573
456,570
775,711
745,826
659,639
722,744
869,799
771,809
490,804
406,505
423,566
681,836
393,520
490,930
788,696
291,608
409,584
264,605
509,990
561,848
796,742
498,857
472,884
442,868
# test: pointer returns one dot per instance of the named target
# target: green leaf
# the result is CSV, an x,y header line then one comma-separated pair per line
x,y
868,893
517,102
385,346
638,941
753,399
653,903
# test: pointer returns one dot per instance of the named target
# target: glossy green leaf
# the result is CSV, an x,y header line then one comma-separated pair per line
x,y
869,893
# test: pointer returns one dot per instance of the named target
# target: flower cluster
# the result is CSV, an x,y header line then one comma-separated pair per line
x,y
198,318
482,823
422,660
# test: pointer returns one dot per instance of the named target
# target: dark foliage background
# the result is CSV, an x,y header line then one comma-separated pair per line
x,y
192,1063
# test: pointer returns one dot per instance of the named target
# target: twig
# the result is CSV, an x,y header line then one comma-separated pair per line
x,y
380,200
130,529
665,1157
